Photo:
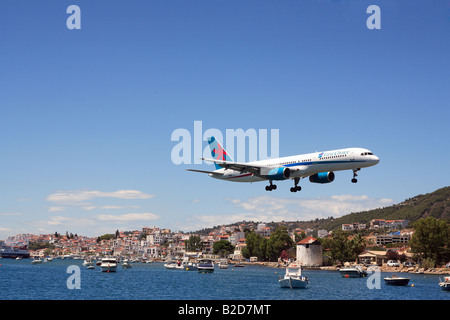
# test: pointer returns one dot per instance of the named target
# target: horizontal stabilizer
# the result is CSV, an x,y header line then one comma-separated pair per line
x,y
204,171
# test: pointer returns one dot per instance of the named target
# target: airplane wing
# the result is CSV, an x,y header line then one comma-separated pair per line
x,y
204,171
241,167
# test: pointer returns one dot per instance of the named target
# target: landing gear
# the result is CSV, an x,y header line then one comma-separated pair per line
x,y
296,187
354,180
271,186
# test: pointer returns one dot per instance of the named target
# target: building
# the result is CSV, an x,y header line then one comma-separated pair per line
x,y
309,252
263,230
391,224
354,226
396,237
322,233
373,257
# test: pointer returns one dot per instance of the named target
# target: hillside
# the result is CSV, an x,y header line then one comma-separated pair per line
x,y
435,204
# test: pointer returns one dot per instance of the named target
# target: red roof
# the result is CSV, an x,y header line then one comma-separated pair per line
x,y
307,240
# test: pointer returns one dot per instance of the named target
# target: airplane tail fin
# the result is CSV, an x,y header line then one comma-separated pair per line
x,y
217,151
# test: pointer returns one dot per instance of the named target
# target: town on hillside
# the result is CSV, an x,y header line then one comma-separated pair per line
x,y
385,243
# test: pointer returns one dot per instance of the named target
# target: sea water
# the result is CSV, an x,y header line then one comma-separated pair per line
x,y
21,280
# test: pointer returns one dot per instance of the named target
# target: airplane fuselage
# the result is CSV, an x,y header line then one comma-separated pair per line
x,y
305,165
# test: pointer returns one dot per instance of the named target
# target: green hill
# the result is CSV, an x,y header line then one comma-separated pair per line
x,y
435,204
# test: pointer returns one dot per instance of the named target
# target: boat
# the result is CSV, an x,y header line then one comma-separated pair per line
x,y
13,252
445,284
126,264
395,280
88,263
36,261
353,272
205,265
108,265
190,266
293,277
170,265
223,264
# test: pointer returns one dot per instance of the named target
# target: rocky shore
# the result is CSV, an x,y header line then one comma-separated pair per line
x,y
384,268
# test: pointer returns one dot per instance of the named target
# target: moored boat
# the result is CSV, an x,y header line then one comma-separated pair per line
x,y
223,264
88,262
445,284
13,252
395,280
353,272
170,265
205,265
293,277
126,264
109,265
190,266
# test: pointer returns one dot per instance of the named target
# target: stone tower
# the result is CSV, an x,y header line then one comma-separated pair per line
x,y
309,252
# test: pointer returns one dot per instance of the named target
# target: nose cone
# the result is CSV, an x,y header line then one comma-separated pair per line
x,y
375,159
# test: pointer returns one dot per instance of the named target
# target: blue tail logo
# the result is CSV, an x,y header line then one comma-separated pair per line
x,y
217,151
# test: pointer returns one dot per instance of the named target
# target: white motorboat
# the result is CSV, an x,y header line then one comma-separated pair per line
x,y
108,265
223,264
126,264
36,261
293,277
170,265
205,265
88,263
395,280
353,272
445,284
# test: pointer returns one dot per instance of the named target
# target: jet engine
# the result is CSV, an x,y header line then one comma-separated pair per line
x,y
322,177
280,173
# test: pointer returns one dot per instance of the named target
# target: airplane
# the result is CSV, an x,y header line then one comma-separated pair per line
x,y
319,166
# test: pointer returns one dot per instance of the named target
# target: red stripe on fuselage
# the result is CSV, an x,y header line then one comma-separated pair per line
x,y
244,175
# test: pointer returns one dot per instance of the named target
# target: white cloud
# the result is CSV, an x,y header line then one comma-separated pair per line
x,y
79,196
128,217
269,208
10,213
109,207
272,208
73,222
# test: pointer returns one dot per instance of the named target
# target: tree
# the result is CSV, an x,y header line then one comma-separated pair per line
x,y
341,248
223,247
278,241
431,239
194,243
357,245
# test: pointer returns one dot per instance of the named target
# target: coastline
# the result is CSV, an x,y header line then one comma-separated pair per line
x,y
416,270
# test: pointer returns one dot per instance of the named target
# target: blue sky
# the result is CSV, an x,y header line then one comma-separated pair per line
x,y
86,116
